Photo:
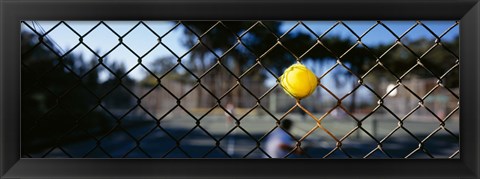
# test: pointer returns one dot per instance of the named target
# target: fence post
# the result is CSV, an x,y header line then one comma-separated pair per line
x,y
273,103
375,127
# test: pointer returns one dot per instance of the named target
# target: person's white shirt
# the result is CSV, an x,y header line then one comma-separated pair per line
x,y
274,142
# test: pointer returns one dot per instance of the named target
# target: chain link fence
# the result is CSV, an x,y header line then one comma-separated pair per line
x,y
229,97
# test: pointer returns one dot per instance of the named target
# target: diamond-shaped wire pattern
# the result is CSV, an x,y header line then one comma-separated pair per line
x,y
106,122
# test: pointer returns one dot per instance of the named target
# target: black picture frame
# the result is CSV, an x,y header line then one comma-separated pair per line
x,y
13,11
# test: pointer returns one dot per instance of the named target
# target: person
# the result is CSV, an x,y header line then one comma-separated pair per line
x,y
279,143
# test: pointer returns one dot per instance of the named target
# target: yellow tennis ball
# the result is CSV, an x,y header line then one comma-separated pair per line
x,y
298,81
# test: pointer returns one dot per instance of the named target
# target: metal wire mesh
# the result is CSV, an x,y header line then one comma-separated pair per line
x,y
199,79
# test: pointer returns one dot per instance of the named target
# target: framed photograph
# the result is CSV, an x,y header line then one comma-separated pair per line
x,y
239,89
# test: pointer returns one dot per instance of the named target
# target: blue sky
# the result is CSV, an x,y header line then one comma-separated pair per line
x,y
141,39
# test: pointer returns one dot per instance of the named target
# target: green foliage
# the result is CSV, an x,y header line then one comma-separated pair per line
x,y
277,51
55,102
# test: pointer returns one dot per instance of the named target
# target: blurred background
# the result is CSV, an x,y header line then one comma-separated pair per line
x,y
208,89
